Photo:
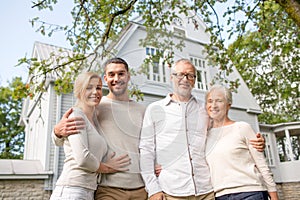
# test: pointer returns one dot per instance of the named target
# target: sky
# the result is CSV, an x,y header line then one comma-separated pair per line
x,y
17,35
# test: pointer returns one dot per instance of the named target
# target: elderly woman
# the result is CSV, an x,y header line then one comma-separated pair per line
x,y
85,151
238,171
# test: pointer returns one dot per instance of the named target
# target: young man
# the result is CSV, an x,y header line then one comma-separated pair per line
x,y
120,120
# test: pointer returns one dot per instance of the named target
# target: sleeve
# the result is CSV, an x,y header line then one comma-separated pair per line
x,y
56,140
260,160
80,148
147,154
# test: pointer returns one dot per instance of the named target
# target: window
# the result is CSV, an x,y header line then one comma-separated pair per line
x,y
156,69
288,144
177,22
178,27
267,152
201,80
179,32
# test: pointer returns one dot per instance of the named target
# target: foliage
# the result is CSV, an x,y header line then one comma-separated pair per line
x,y
11,135
97,23
268,60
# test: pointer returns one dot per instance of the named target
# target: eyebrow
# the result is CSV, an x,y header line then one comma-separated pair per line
x,y
116,71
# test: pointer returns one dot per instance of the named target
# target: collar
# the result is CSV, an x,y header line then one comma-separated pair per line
x,y
168,100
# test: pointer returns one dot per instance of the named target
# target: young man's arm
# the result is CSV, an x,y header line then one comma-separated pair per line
x,y
66,126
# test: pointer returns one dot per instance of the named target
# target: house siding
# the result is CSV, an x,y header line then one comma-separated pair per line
x,y
37,132
241,115
67,101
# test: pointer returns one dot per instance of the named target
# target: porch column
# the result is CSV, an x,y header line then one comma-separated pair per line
x,y
289,144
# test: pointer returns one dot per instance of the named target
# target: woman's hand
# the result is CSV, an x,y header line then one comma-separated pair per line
x,y
112,164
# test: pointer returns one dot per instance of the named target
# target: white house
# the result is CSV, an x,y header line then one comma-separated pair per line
x,y
41,113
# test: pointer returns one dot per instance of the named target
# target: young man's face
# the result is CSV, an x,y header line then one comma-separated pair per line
x,y
117,78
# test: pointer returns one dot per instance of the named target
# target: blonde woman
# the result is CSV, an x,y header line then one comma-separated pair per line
x,y
238,171
84,151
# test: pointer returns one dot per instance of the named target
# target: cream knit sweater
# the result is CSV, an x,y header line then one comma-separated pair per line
x,y
235,166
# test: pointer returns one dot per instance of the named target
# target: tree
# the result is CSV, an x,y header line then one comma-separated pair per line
x,y
97,23
11,134
268,60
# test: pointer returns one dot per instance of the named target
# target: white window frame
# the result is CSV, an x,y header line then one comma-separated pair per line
x,y
201,82
157,70
268,150
178,27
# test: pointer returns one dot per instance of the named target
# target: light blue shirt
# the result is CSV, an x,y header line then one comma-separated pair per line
x,y
174,136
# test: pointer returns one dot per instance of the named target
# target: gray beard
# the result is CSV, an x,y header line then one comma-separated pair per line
x,y
184,93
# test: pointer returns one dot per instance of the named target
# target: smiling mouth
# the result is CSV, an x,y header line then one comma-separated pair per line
x,y
95,97
214,111
185,86
118,85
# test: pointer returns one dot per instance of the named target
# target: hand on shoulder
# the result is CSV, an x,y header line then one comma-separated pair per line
x,y
68,126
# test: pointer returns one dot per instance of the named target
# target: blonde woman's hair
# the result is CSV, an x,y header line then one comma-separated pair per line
x,y
81,84
227,93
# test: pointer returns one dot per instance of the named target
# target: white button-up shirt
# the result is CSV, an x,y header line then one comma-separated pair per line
x,y
174,136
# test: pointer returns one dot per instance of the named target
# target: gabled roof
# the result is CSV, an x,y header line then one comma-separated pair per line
x,y
137,22
244,98
42,51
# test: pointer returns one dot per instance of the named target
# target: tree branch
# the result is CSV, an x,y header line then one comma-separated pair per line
x,y
292,8
113,16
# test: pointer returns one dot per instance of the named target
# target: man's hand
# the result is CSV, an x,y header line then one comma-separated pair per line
x,y
258,143
158,196
158,169
112,164
68,126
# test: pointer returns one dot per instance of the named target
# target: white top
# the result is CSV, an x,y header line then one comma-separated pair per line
x,y
235,166
174,136
83,153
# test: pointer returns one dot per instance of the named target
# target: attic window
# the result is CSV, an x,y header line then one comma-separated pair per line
x,y
179,32
177,22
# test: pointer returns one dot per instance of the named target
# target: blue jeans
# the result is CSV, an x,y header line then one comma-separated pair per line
x,y
259,195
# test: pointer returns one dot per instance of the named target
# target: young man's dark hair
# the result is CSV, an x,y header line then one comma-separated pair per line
x,y
116,60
